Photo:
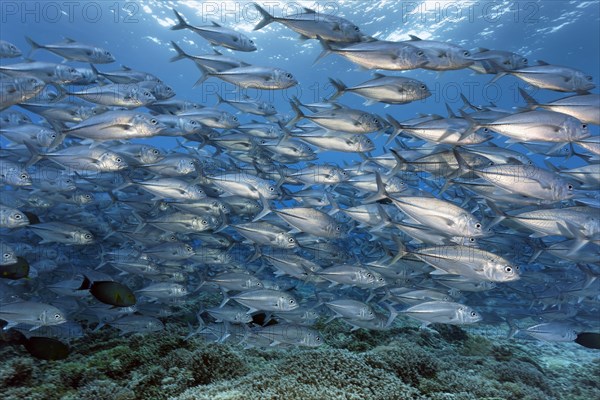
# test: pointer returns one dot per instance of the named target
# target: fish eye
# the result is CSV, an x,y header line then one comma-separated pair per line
x,y
271,188
292,301
473,314
508,269
423,86
589,78
318,339
57,316
478,225
337,228
288,75
420,53
87,196
234,118
118,159
251,41
6,255
87,236
524,61
155,152
472,240
259,284
154,121
23,176
570,187
72,70
583,126
291,240
146,93
188,248
369,275
467,54
17,216
204,222
12,47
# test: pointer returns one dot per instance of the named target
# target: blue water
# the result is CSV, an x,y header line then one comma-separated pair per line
x,y
138,35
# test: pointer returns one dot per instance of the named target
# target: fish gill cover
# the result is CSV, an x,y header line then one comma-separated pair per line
x,y
311,200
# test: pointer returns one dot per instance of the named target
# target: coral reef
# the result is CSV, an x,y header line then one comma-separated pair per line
x,y
401,363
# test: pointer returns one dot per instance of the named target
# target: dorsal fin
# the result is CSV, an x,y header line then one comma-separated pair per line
x,y
541,62
413,37
377,75
215,24
309,10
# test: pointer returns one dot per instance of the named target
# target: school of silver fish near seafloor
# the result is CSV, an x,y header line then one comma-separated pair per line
x,y
116,233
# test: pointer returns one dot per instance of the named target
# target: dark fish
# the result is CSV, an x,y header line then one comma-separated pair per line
x,y
15,271
109,292
589,339
46,348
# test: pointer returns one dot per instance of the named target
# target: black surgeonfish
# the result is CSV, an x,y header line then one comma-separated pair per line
x,y
15,271
109,292
46,348
589,339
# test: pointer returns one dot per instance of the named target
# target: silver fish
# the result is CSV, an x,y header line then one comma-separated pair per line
x,y
217,35
74,51
444,312
31,313
313,25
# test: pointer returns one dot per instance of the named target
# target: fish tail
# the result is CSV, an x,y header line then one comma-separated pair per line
x,y
266,209
498,76
326,49
86,284
34,46
298,112
220,100
381,193
204,73
180,53
266,18
339,86
397,128
401,163
35,155
181,24
531,102
467,104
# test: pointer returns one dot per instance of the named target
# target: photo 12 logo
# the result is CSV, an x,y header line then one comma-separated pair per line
x,y
28,12
455,11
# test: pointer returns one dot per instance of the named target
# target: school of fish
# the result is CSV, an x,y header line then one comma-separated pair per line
x,y
451,224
